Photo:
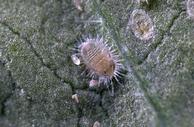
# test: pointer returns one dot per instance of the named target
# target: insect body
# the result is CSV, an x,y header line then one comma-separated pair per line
x,y
99,59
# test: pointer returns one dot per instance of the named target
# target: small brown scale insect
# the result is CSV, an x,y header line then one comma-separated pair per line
x,y
99,59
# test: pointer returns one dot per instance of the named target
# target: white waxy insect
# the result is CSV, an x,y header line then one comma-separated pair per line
x,y
190,8
96,124
141,25
100,60
75,97
75,59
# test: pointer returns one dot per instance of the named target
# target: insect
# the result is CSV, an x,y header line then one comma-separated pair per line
x,y
141,25
75,97
190,8
101,61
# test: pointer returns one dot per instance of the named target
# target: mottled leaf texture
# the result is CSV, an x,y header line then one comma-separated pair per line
x,y
40,86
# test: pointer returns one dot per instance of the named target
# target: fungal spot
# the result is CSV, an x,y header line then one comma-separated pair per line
x,y
75,59
141,25
190,8
99,59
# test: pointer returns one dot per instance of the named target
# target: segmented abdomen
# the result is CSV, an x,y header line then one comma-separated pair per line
x,y
98,58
